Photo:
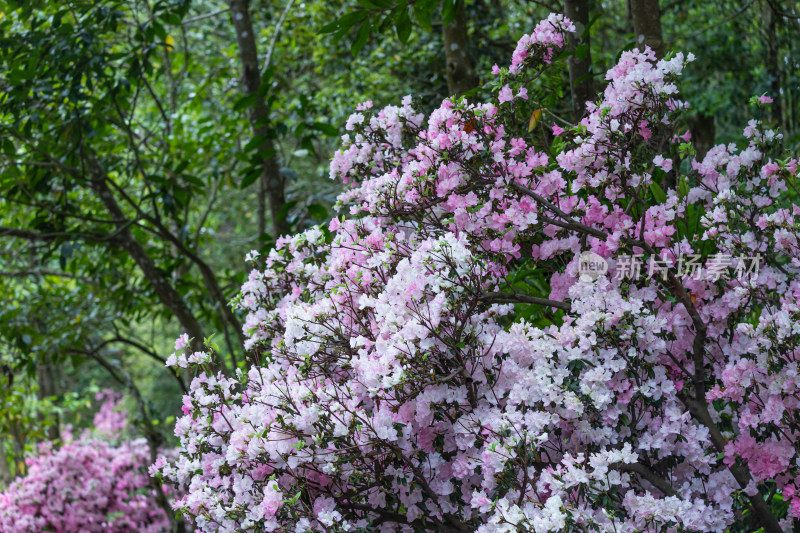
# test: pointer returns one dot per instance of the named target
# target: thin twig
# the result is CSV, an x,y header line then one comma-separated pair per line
x,y
274,39
198,18
510,297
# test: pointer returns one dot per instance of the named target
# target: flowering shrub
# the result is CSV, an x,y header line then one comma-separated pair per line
x,y
88,485
437,361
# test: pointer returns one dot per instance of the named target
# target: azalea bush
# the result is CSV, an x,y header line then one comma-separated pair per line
x,y
439,358
94,483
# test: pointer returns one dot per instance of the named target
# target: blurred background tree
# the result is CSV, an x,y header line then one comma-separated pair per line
x,y
147,145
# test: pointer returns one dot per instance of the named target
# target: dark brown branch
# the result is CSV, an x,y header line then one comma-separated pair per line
x,y
461,76
386,515
29,235
568,221
226,314
699,410
37,273
145,350
651,477
510,297
126,240
580,80
647,25
272,184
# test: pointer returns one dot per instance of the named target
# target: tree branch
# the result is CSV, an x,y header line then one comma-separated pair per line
x,y
272,182
651,477
37,273
275,34
568,220
29,235
198,18
510,297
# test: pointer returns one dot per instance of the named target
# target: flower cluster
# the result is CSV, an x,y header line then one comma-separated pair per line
x,y
88,485
435,362
548,36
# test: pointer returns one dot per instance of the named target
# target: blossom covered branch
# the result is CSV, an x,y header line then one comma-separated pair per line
x,y
397,389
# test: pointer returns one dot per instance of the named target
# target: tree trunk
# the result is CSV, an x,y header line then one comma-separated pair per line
x,y
461,76
171,299
272,185
773,67
647,25
762,514
703,134
45,378
580,81
646,17
6,476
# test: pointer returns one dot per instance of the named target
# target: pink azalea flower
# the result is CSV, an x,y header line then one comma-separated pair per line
x,y
181,342
505,95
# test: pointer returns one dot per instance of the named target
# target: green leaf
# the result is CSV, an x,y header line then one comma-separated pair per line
x,y
244,102
403,26
330,27
255,143
449,11
284,211
8,148
181,196
422,12
160,31
265,154
327,129
317,211
658,193
66,252
683,187
194,180
361,38
250,178
368,4
346,22
582,51
180,167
